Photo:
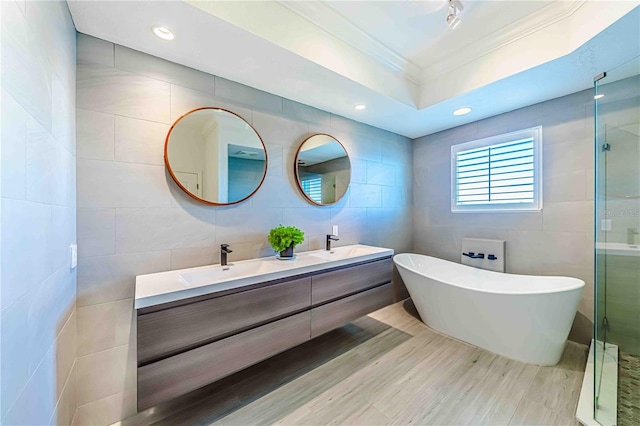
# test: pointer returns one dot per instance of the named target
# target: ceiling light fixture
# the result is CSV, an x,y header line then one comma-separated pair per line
x,y
453,19
600,96
163,33
360,106
462,111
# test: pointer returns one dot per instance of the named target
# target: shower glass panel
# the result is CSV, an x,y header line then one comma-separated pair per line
x,y
617,246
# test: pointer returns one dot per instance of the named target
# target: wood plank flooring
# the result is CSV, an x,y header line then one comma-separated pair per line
x,y
382,369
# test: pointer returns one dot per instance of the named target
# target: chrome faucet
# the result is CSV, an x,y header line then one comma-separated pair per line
x,y
631,236
224,251
329,239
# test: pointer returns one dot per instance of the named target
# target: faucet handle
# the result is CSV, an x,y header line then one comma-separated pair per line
x,y
225,248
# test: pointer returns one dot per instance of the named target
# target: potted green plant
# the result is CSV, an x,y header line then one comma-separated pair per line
x,y
284,238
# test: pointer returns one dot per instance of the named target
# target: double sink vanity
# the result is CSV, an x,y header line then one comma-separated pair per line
x,y
198,325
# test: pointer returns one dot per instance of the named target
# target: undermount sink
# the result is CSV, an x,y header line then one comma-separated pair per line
x,y
170,286
219,273
344,252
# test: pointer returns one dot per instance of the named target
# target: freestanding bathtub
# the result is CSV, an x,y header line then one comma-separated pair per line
x,y
525,318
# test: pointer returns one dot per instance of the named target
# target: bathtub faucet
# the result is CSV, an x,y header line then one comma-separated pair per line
x,y
472,255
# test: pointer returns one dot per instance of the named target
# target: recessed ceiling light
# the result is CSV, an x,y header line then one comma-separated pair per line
x,y
600,96
462,111
163,33
360,106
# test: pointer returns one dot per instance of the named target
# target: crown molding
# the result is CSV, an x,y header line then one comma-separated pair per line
x,y
522,28
324,17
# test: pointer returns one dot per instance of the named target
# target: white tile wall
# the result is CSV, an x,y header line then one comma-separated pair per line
x,y
38,352
556,241
132,219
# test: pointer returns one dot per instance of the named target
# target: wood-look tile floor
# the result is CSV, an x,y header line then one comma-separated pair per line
x,y
385,368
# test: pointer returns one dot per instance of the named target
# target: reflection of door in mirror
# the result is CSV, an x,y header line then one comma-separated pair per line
x,y
215,156
191,181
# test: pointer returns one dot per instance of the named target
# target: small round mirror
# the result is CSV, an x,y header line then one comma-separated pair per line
x,y
215,156
323,169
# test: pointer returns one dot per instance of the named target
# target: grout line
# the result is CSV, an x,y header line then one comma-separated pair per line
x,y
64,388
103,351
104,303
35,370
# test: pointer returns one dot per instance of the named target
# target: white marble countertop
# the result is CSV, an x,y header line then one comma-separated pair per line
x,y
618,249
171,286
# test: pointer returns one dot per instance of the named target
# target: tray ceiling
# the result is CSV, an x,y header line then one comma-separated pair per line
x,y
397,57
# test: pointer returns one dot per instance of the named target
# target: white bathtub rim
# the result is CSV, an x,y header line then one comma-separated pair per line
x,y
579,284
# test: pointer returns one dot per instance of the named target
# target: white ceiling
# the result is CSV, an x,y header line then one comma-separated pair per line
x,y
417,31
397,57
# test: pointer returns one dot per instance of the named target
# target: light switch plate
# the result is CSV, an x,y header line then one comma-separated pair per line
x,y
334,230
74,255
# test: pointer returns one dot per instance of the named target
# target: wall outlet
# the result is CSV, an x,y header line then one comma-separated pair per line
x,y
74,255
334,230
605,225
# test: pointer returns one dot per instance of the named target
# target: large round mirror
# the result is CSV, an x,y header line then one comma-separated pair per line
x,y
215,156
323,169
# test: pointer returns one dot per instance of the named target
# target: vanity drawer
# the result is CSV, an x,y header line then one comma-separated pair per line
x,y
335,314
166,332
335,284
177,375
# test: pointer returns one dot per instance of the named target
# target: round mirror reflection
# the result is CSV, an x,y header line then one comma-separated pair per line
x,y
215,156
323,169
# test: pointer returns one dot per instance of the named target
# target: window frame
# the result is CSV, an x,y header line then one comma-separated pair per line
x,y
534,133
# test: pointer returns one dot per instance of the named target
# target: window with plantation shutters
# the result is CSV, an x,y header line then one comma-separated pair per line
x,y
500,173
313,188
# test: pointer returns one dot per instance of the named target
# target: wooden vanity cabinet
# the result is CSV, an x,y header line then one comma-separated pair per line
x,y
166,332
188,344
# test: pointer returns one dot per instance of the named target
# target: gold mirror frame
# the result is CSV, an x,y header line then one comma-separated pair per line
x,y
189,193
297,175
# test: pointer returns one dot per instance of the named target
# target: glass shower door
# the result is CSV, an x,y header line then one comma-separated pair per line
x,y
617,238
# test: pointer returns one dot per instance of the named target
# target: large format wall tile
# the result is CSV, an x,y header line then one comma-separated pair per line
x,y
134,220
108,278
159,69
15,353
96,232
149,229
94,384
94,50
14,151
114,91
556,241
184,100
139,141
256,99
48,165
104,326
302,112
114,184
95,135
25,227
38,202
25,72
